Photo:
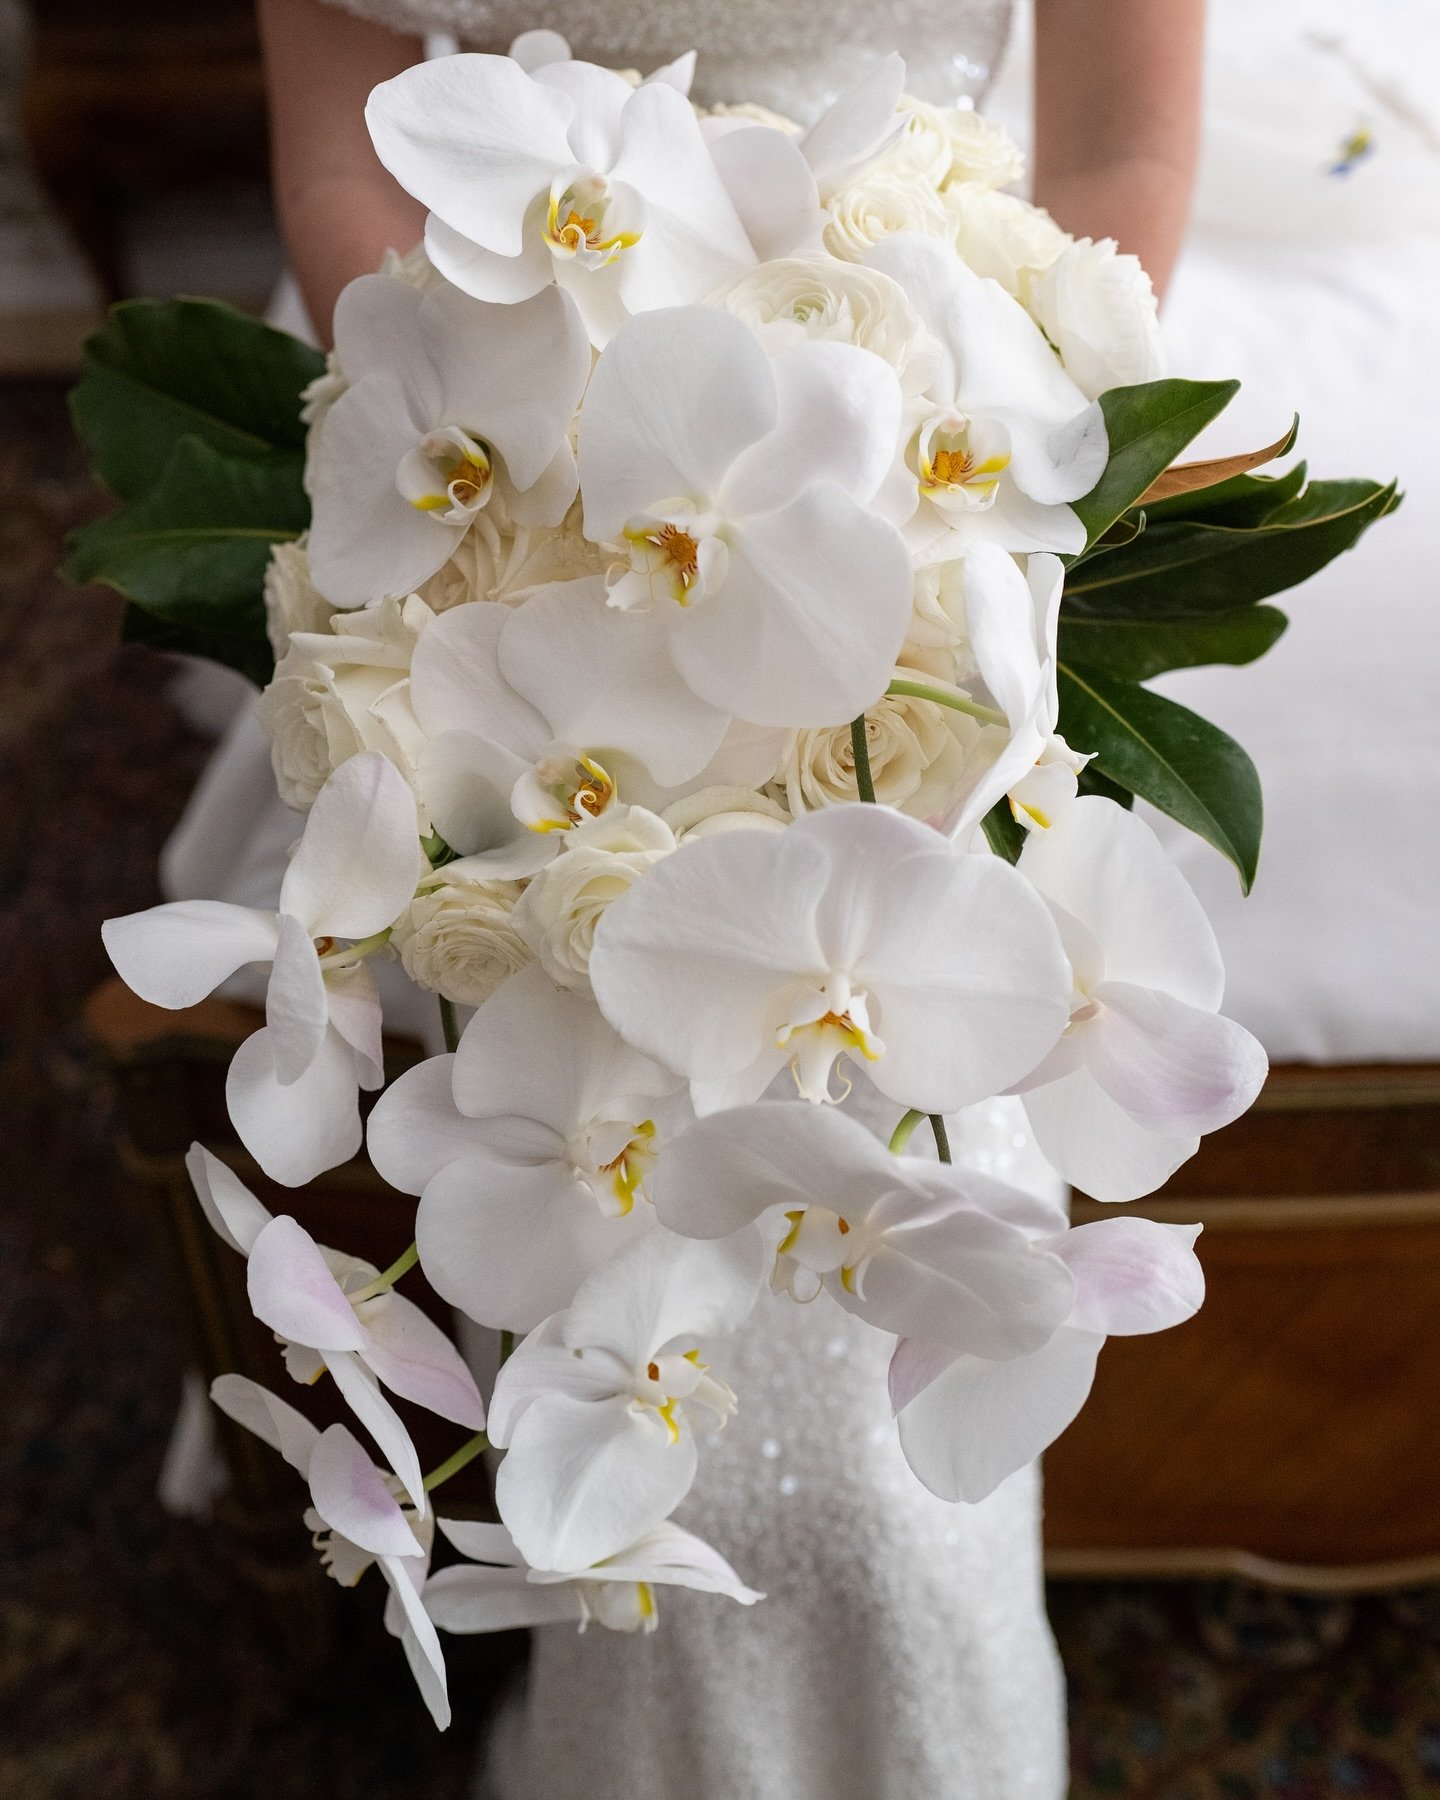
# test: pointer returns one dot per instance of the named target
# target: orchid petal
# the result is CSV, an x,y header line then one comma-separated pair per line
x,y
176,954
356,1018
361,1393
544,1364
350,1495
418,1637
1099,1147
1132,1275
234,1213
296,1008
465,1598
358,862
467,782
771,187
295,1132
272,1419
486,274
671,1556
1172,1067
456,682
857,124
293,1291
413,1357
416,1127
482,1541
663,1287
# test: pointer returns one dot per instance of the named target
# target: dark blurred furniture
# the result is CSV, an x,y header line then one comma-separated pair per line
x,y
1290,1433
152,100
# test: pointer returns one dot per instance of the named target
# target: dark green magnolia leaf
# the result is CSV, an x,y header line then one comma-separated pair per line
x,y
1093,782
1003,833
157,371
193,549
1189,567
1148,427
252,657
1243,501
1136,649
1169,756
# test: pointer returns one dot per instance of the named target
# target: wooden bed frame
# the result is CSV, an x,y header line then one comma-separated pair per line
x,y
1290,1434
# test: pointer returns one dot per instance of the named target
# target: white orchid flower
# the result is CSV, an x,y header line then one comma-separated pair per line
x,y
450,404
1005,440
292,1089
600,1406
328,1313
967,1422
499,1591
538,49
536,719
736,491
355,1519
1011,619
530,1149
1147,1064
855,932
908,1244
567,175
857,127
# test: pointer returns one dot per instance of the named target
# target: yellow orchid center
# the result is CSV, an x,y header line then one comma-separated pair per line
x,y
675,555
575,223
578,788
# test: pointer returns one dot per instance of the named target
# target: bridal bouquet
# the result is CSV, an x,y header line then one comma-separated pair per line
x,y
708,641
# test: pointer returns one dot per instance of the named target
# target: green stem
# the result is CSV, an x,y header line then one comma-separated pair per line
x,y
449,1025
860,744
452,1465
942,1137
948,696
383,1282
357,952
900,1137
507,1347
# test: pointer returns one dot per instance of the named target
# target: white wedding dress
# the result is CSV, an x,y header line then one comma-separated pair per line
x,y
902,1652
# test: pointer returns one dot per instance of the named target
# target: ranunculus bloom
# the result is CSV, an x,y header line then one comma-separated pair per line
x,y
1098,309
1147,1063
856,932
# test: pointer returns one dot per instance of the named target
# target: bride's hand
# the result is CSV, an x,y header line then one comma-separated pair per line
x,y
1117,120
339,210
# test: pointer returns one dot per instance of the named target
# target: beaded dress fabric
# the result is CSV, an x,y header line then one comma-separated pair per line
x,y
902,1651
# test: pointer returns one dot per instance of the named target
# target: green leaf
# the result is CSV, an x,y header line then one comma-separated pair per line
x,y
193,550
1003,832
1093,782
1242,501
1169,756
1185,567
157,371
252,657
1135,649
1148,426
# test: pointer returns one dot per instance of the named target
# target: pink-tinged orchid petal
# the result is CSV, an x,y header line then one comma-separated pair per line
x,y
1171,1066
416,1127
914,1365
362,1395
296,1008
293,1291
978,1422
475,139
415,1359
466,1598
1132,1275
416,1631
234,1213
359,860
1096,1145
176,954
350,1495
297,1132
857,126
272,1419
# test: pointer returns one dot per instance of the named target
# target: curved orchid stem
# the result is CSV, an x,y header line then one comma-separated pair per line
x,y
942,1137
452,1465
388,1277
860,744
357,952
900,1137
449,1025
944,695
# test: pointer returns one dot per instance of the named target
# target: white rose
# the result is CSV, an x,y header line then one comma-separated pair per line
x,y
292,601
1098,309
340,691
939,640
957,144
800,297
1002,236
918,753
458,938
496,560
564,903
887,196
716,809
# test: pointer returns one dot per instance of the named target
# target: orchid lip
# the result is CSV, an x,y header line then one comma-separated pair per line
x,y
575,227
449,475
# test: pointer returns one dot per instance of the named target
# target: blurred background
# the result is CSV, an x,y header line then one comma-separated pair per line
x,y
1244,1528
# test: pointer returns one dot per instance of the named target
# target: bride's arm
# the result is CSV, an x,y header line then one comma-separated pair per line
x,y
1117,120
339,210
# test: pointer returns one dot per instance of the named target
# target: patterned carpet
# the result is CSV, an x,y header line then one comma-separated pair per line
x,y
134,1664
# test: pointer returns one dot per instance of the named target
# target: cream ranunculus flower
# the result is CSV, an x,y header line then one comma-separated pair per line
x,y
292,601
564,903
716,809
337,692
458,938
1002,236
957,144
499,560
889,196
920,757
1097,308
798,297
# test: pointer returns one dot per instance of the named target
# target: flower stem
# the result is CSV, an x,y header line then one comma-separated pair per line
x,y
452,1465
900,1137
359,951
860,744
383,1282
507,1347
944,695
449,1025
942,1137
